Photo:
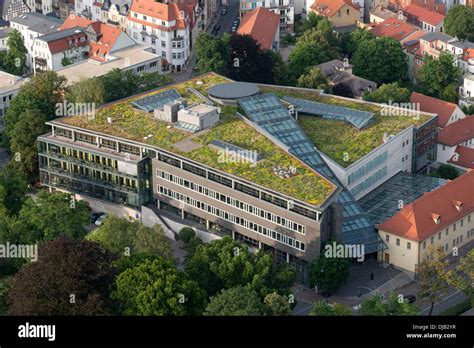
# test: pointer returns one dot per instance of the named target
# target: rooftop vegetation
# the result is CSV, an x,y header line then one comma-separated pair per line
x,y
339,140
133,124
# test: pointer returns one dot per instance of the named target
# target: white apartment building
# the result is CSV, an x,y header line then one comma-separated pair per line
x,y
31,26
9,87
165,27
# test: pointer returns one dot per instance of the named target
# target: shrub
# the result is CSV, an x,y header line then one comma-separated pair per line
x,y
186,234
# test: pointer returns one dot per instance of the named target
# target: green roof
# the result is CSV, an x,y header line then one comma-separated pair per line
x,y
132,124
338,139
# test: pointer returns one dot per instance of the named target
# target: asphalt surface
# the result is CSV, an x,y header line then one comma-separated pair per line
x,y
225,21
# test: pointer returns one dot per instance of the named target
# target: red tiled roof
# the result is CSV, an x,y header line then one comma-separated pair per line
x,y
464,157
62,44
329,8
394,28
435,106
152,8
457,132
416,222
468,54
424,15
262,24
75,21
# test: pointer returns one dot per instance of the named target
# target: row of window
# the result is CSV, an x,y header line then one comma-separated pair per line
x,y
284,239
359,173
371,180
232,202
240,187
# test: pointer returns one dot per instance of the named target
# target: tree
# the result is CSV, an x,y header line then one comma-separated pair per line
x,y
249,61
304,56
280,72
225,263
395,305
312,20
119,84
445,171
236,301
314,79
14,59
432,285
459,22
462,277
44,92
5,284
212,53
23,142
53,214
157,288
325,36
437,77
277,304
87,91
70,278
389,93
322,308
124,237
381,60
284,277
351,41
186,234
15,186
328,273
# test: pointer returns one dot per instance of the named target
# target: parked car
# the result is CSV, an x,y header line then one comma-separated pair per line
x,y
95,216
224,11
236,22
100,219
410,298
234,29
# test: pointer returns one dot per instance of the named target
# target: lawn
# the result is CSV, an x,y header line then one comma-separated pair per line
x,y
339,140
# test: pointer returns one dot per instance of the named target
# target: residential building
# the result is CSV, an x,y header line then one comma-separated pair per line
x,y
114,12
341,13
10,9
9,87
76,40
168,28
459,133
60,8
264,26
381,13
397,29
463,158
4,38
431,5
448,113
340,74
284,8
32,25
466,93
442,219
423,18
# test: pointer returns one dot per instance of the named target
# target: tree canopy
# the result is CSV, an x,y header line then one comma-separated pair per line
x,y
459,22
70,277
381,60
314,79
393,306
324,309
236,301
389,93
439,78
13,60
155,287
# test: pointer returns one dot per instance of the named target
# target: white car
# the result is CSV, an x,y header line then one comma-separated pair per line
x,y
100,220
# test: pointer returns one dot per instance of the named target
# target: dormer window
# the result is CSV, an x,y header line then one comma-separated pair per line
x,y
436,218
457,205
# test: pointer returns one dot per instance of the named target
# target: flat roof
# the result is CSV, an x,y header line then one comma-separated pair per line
x,y
384,202
86,69
233,90
9,82
306,185
37,21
